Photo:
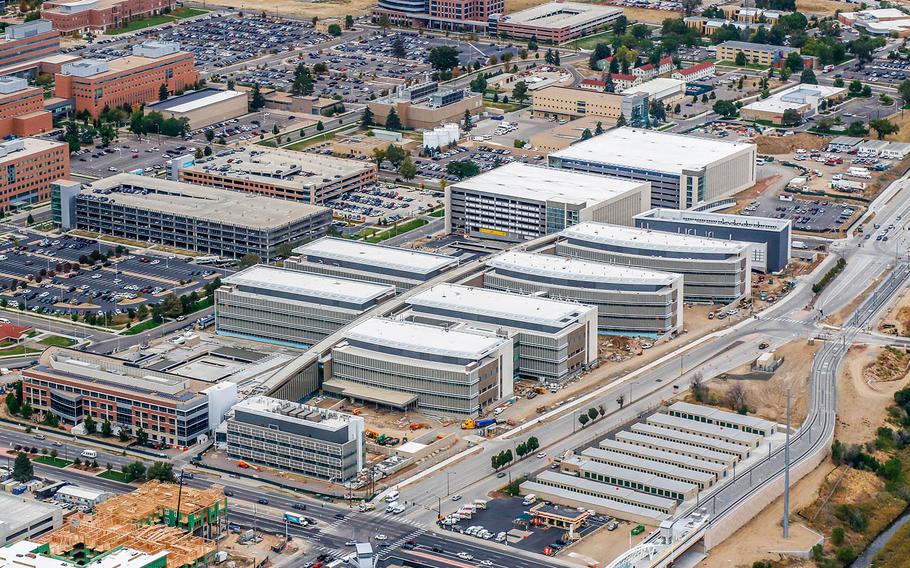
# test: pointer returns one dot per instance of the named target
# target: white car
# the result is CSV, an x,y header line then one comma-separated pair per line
x,y
381,537
485,563
464,556
541,455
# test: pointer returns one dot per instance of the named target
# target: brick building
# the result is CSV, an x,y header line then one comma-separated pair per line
x,y
29,166
134,79
22,109
29,41
99,15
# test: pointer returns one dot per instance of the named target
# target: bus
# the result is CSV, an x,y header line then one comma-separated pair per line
x,y
294,518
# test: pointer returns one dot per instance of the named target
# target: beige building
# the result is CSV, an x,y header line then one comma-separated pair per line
x,y
428,114
357,146
203,107
317,106
757,53
564,135
566,102
322,26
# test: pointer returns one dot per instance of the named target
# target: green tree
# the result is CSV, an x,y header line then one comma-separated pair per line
x,y
463,168
162,92
726,109
142,437
808,77
583,419
407,169
520,91
171,306
794,61
22,468
257,101
904,91
12,404
348,22
320,126
592,413
883,127
621,121
392,122
857,129
533,443
90,425
248,260
303,81
398,49
740,58
107,430
586,134
334,30
162,471
367,120
599,129
443,58
791,118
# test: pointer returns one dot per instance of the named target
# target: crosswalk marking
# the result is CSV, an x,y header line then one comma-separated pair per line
x,y
400,542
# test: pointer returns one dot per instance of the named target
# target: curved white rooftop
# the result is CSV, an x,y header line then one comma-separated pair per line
x,y
494,303
616,235
378,256
421,338
575,269
308,285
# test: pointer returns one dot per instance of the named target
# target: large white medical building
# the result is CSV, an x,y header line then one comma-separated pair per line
x,y
628,300
713,270
684,171
518,201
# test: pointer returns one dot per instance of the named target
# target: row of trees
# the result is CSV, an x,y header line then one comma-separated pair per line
x,y
591,415
505,457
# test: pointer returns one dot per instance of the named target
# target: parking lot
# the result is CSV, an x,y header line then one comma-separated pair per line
x,y
149,155
499,517
218,40
818,216
250,126
57,285
521,126
385,203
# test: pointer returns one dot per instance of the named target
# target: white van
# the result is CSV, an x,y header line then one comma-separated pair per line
x,y
89,454
392,497
530,499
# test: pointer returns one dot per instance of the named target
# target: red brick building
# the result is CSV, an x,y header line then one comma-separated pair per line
x,y
28,166
22,109
134,79
98,15
27,42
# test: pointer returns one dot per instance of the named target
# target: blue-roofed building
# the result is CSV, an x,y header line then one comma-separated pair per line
x,y
769,238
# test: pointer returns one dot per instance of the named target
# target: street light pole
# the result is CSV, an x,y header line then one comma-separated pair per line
x,y
787,473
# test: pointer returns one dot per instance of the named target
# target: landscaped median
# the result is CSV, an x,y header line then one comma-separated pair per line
x,y
829,276
398,229
53,461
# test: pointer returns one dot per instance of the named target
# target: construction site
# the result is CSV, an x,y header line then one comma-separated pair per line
x,y
155,517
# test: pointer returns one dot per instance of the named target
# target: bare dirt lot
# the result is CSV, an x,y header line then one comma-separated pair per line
x,y
787,144
862,402
822,7
603,546
897,320
768,398
334,8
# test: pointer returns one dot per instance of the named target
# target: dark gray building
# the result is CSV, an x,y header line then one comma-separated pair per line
x,y
190,217
770,238
296,438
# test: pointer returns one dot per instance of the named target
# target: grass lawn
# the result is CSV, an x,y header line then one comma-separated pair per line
x,y
395,231
438,213
55,462
181,13
591,41
506,107
18,350
141,24
746,66
114,475
56,341
144,326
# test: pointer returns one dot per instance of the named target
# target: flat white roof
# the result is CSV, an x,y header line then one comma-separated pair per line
x,y
795,97
620,492
378,256
617,235
703,428
421,338
716,219
308,284
82,492
518,307
206,101
557,15
712,413
651,150
524,181
661,86
620,508
575,269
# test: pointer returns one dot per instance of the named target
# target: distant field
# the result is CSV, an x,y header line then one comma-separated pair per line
x,y
823,7
329,9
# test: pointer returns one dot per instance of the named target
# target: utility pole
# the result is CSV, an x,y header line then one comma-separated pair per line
x,y
787,473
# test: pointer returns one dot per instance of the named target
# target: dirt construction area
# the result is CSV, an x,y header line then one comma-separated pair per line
x,y
897,320
863,400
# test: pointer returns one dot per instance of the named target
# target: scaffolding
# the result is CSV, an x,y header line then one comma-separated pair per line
x,y
144,520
